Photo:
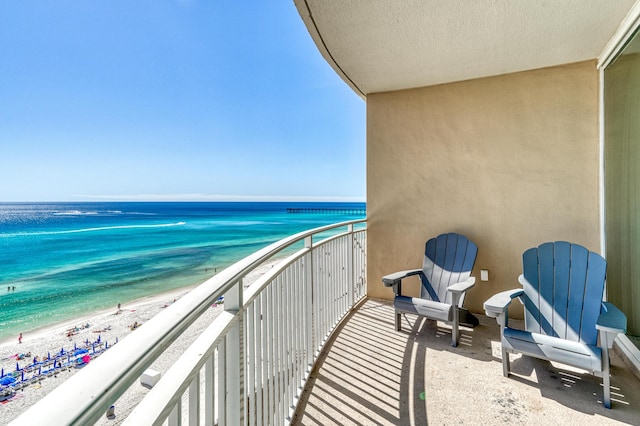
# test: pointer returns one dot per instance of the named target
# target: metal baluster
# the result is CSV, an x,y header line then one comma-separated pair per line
x,y
222,382
175,417
194,401
209,390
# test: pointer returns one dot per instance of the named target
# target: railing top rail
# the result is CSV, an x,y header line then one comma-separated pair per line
x,y
86,396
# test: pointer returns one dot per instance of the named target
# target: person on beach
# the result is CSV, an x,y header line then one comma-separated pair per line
x,y
20,338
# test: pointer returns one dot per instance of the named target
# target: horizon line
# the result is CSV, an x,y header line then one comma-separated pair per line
x,y
194,198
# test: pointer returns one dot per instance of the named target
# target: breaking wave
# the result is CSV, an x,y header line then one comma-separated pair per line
x,y
104,228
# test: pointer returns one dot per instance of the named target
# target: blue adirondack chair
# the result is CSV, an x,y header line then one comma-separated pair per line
x,y
445,276
562,292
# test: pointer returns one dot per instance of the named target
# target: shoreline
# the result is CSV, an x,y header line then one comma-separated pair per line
x,y
110,327
39,332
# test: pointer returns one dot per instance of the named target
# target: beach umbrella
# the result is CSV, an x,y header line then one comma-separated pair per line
x,y
86,359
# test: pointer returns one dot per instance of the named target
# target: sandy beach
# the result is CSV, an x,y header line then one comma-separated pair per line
x,y
108,326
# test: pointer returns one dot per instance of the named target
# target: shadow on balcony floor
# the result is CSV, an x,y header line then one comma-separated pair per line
x,y
371,374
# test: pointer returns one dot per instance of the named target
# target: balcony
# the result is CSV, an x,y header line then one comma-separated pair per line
x,y
304,345
372,374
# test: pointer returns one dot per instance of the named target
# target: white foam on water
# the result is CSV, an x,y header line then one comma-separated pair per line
x,y
103,228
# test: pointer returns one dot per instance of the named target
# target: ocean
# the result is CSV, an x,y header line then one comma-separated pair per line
x,y
60,261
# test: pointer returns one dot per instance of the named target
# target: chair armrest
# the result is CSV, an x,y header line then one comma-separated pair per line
x,y
392,279
461,287
499,303
611,319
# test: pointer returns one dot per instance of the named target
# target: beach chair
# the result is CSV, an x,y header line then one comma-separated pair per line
x,y
6,394
445,277
562,292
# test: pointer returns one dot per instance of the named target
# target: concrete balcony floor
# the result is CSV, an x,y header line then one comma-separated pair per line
x,y
370,374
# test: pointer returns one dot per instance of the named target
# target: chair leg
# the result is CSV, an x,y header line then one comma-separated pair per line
x,y
606,378
398,321
505,362
455,331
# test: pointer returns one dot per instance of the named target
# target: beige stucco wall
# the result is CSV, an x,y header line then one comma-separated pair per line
x,y
510,161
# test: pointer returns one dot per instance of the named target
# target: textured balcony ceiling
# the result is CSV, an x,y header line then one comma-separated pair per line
x,y
378,46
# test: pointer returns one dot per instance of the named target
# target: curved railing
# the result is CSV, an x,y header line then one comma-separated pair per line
x,y
250,365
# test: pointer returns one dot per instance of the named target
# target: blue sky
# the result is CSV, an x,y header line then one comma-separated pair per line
x,y
172,100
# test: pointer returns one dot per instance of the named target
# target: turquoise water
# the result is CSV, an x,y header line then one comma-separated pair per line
x,y
70,259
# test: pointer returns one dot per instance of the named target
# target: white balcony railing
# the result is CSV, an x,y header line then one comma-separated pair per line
x,y
250,365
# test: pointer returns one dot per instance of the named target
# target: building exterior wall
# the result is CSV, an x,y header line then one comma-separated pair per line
x,y
510,161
